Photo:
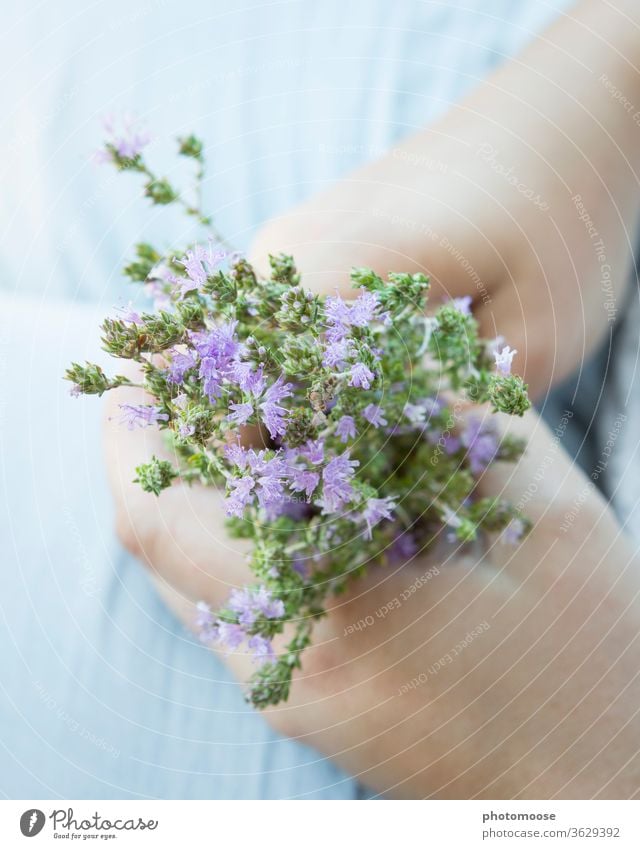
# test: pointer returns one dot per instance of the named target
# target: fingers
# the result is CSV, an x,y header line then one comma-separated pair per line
x,y
181,535
545,480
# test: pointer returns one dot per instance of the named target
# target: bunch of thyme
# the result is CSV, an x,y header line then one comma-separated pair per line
x,y
362,461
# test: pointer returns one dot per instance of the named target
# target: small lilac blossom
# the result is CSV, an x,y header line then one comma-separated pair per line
x,y
494,345
242,604
346,428
241,413
262,649
513,533
274,415
180,364
241,495
335,353
128,142
211,378
141,415
376,510
303,480
481,442
504,359
266,605
313,451
186,430
158,285
336,482
248,378
415,413
236,455
270,490
338,315
265,480
463,305
374,414
129,315
206,623
249,604
231,635
433,406
403,548
361,376
219,343
199,264
452,444
363,310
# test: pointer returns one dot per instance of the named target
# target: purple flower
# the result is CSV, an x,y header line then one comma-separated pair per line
x,y
250,380
241,413
513,533
346,428
231,635
129,315
415,413
219,343
262,649
481,442
127,142
504,359
270,489
206,623
157,286
303,480
180,365
336,482
313,451
249,604
338,315
240,496
494,345
341,316
211,378
364,308
335,353
199,264
376,510
141,415
452,444
266,605
241,602
463,305
185,430
236,455
361,376
374,414
265,480
403,548
274,415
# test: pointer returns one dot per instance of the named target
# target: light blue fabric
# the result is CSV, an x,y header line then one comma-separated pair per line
x,y
102,693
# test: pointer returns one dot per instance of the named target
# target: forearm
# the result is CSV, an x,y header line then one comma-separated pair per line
x,y
525,195
540,701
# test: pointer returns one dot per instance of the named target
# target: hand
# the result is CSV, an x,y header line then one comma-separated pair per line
x,y
504,672
525,196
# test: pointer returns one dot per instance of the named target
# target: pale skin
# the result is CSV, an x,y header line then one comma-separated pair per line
x,y
542,700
